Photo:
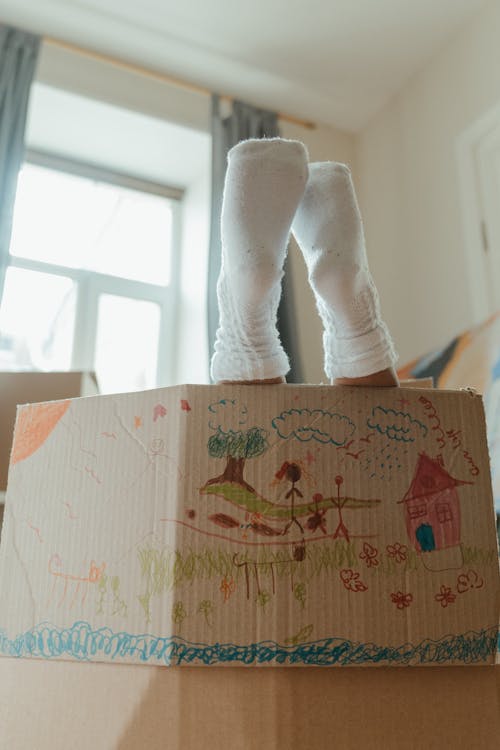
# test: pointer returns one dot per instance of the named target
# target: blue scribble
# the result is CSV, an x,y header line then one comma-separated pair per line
x,y
397,425
227,406
314,424
83,643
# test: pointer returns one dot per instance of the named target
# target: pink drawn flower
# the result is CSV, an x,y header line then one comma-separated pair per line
x,y
159,411
469,580
369,555
401,600
445,596
351,581
227,587
397,551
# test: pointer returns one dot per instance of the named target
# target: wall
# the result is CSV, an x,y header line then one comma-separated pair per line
x,y
409,191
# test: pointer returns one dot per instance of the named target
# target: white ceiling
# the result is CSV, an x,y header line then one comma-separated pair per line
x,y
332,61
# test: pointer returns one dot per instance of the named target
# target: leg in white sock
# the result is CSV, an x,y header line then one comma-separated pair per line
x,y
329,230
265,181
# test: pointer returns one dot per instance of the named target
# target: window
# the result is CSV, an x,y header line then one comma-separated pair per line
x,y
417,511
93,275
444,513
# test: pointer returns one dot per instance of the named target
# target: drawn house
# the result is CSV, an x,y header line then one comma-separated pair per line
x,y
432,506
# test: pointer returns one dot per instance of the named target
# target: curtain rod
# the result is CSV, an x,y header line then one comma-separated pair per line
x,y
156,75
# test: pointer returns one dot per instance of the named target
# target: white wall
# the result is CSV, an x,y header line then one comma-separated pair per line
x,y
409,192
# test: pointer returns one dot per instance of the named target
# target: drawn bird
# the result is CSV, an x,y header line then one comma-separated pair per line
x,y
355,455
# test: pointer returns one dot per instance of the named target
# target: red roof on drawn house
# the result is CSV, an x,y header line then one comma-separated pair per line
x,y
430,477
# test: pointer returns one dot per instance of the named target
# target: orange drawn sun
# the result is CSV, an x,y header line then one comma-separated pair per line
x,y
34,424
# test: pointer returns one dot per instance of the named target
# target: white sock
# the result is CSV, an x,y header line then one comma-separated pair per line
x,y
329,230
265,181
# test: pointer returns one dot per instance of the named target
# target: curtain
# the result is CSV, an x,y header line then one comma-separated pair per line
x,y
18,56
244,122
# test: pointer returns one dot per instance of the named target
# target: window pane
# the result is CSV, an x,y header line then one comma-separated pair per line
x,y
127,344
36,321
81,223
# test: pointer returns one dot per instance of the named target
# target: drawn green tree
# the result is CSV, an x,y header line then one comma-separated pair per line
x,y
236,447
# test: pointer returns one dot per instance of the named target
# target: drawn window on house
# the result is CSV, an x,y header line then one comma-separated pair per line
x,y
93,275
417,511
444,513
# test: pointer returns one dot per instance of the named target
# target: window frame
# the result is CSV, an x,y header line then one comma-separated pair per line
x,y
91,284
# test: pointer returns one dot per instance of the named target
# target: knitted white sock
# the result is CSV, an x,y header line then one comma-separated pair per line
x,y
265,181
329,230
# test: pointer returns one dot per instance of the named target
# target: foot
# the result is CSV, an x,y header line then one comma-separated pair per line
x,y
265,181
329,231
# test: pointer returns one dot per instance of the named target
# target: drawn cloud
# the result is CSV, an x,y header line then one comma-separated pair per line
x,y
314,424
397,425
227,415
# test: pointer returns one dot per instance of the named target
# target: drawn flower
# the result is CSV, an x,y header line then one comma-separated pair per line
x,y
158,411
469,580
401,600
227,587
445,596
351,581
178,613
397,551
206,608
299,593
262,598
369,555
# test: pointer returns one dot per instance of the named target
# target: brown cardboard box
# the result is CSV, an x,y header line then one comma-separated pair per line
x,y
59,705
260,526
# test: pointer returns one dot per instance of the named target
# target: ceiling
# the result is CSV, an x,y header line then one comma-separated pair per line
x,y
331,61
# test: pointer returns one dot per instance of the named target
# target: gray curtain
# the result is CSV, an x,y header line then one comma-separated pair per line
x,y
244,122
18,56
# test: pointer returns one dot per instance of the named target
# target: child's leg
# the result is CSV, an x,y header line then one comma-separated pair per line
x,y
327,226
265,181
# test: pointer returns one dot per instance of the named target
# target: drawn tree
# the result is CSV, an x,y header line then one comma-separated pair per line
x,y
236,447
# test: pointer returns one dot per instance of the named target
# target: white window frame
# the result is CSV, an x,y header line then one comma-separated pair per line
x,y
90,284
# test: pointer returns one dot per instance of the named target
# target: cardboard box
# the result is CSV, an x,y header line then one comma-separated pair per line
x,y
238,526
30,388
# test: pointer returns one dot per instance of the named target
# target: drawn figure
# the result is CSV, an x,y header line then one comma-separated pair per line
x,y
76,582
293,474
432,506
339,503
